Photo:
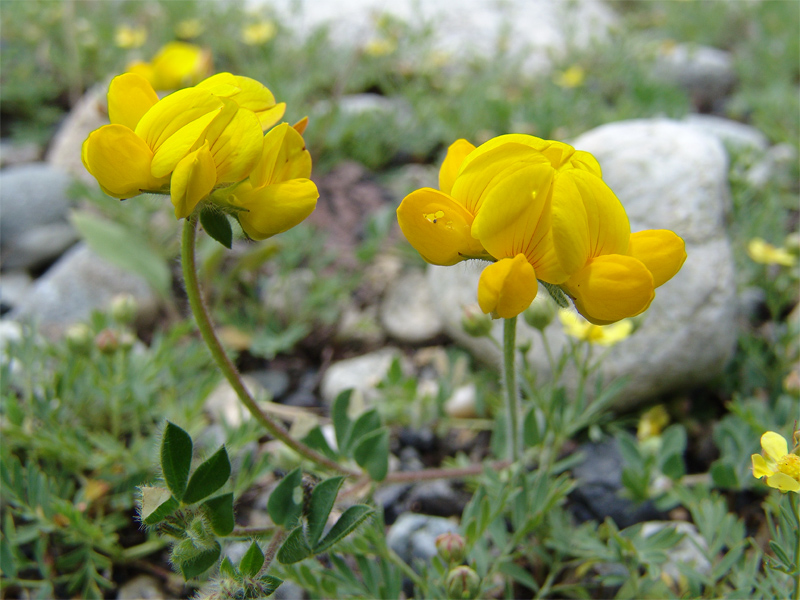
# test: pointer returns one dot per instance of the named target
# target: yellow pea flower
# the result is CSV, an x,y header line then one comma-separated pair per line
x,y
176,65
248,94
130,37
767,254
507,287
258,33
189,28
607,335
571,78
781,468
278,194
147,136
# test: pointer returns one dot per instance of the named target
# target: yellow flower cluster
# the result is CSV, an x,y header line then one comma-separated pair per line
x,y
780,467
175,65
539,209
205,144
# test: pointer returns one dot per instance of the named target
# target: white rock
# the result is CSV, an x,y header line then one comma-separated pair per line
x,y
461,405
143,587
224,405
407,312
732,134
706,73
362,373
13,287
668,176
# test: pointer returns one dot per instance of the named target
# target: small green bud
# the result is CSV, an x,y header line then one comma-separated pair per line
x,y
123,308
126,340
475,323
540,313
451,548
79,338
462,583
107,341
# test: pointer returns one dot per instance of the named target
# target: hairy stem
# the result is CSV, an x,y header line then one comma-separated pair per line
x,y
224,362
510,377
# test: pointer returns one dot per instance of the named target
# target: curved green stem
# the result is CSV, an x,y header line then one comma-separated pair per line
x,y
510,377
224,362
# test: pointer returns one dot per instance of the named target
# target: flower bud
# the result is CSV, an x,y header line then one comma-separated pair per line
x,y
540,313
462,583
107,341
475,323
451,548
79,338
123,308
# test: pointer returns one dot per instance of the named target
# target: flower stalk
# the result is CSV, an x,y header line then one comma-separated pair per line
x,y
224,362
511,392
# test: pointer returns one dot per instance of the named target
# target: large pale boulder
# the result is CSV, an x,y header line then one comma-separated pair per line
x,y
668,175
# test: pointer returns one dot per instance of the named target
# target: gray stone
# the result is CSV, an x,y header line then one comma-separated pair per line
x,y
222,404
142,587
80,282
362,373
284,294
707,73
12,153
407,312
413,536
360,325
31,195
13,287
690,551
88,114
39,246
732,134
668,175
274,381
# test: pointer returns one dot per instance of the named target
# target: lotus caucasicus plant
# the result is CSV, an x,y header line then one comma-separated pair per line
x,y
539,210
205,146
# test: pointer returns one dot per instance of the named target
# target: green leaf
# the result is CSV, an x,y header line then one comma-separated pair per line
x,y
208,477
7,563
530,429
724,476
227,569
366,423
269,584
252,561
219,511
285,503
372,453
176,458
322,500
341,421
295,548
673,467
122,247
157,504
200,563
350,519
316,440
217,226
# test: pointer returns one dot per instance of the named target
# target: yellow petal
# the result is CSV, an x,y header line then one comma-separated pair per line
x,y
760,468
273,209
775,446
179,64
192,180
515,213
246,92
507,287
570,225
120,161
172,113
270,116
610,288
438,227
180,143
609,228
783,482
456,154
661,251
236,143
283,157
585,161
129,98
300,126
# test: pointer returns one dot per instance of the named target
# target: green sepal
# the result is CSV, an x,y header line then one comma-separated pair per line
x,y
295,548
252,561
556,293
226,569
219,512
200,563
350,519
157,504
217,225
322,500
284,506
208,477
269,584
176,458
372,453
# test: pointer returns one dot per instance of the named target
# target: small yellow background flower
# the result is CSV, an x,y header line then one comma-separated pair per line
x,y
781,468
765,253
